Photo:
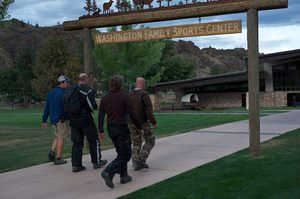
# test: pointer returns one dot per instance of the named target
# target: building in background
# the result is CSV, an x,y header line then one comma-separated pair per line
x,y
279,85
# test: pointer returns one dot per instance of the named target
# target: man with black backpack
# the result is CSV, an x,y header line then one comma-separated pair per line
x,y
80,103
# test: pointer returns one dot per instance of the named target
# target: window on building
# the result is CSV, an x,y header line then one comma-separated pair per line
x,y
286,77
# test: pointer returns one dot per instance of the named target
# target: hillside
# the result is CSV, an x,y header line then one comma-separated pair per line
x,y
19,35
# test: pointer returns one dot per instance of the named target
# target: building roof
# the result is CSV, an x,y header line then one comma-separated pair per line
x,y
280,56
285,56
203,81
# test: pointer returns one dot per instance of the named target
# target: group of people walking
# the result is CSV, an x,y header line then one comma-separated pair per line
x,y
130,119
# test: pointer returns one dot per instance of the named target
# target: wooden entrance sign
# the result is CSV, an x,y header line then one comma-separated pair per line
x,y
203,29
197,8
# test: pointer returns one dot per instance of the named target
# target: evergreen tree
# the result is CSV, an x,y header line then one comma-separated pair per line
x,y
15,84
23,69
88,6
4,4
53,60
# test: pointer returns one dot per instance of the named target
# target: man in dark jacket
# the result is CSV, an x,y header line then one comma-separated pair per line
x,y
83,124
142,107
116,105
58,118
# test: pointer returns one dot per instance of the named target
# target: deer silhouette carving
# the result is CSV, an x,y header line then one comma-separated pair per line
x,y
138,4
147,2
106,6
125,6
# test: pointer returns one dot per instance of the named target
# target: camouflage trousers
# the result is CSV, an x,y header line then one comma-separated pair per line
x,y
139,151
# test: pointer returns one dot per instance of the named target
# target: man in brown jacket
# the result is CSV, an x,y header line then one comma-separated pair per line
x,y
142,107
116,106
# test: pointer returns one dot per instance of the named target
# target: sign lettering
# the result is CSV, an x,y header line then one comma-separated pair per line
x,y
202,29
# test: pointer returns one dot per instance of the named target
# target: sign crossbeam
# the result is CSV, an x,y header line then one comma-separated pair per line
x,y
211,9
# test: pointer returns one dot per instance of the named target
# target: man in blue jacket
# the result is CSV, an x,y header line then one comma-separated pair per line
x,y
58,119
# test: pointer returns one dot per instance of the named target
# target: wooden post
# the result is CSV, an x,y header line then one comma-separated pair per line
x,y
87,51
253,81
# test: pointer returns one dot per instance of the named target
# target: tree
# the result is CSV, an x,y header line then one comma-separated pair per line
x,y
160,2
53,60
129,60
23,69
176,68
88,6
173,66
95,8
9,87
168,2
15,84
4,4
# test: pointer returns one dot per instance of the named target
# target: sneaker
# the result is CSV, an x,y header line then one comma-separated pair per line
x,y
100,164
125,179
138,165
77,169
51,156
60,161
108,179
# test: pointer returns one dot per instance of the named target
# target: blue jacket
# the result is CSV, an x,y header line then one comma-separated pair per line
x,y
54,106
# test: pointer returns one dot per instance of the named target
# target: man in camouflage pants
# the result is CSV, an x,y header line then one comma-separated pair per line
x,y
142,106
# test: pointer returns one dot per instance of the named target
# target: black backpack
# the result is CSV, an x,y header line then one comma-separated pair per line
x,y
71,100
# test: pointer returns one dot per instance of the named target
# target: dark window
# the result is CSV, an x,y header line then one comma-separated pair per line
x,y
293,99
286,77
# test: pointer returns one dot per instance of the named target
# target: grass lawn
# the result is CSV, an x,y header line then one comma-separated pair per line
x,y
23,143
273,175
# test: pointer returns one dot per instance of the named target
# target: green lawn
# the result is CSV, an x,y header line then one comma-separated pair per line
x,y
23,143
273,175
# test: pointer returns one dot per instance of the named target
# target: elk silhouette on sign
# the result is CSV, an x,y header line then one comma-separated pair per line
x,y
106,6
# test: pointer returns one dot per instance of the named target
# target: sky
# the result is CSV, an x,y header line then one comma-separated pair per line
x,y
279,30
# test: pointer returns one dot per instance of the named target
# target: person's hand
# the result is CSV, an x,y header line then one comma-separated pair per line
x,y
101,136
44,125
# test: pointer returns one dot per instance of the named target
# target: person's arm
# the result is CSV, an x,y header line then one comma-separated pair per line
x,y
132,115
101,116
148,108
46,113
91,98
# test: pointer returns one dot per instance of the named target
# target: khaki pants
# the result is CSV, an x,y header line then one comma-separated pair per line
x,y
62,129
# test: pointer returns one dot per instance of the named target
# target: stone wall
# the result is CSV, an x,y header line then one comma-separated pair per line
x,y
273,99
220,100
155,99
228,100
167,97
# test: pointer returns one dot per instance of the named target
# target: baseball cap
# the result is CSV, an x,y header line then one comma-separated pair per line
x,y
63,78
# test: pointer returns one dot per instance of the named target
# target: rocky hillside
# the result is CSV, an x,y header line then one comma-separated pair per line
x,y
210,60
19,35
16,35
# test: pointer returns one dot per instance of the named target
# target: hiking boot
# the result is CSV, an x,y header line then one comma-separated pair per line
x,y
108,179
51,156
138,165
77,169
60,161
125,179
100,164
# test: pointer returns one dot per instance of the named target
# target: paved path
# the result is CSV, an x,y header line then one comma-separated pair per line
x,y
171,156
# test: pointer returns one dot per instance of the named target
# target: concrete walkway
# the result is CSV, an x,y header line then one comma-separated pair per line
x,y
171,156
